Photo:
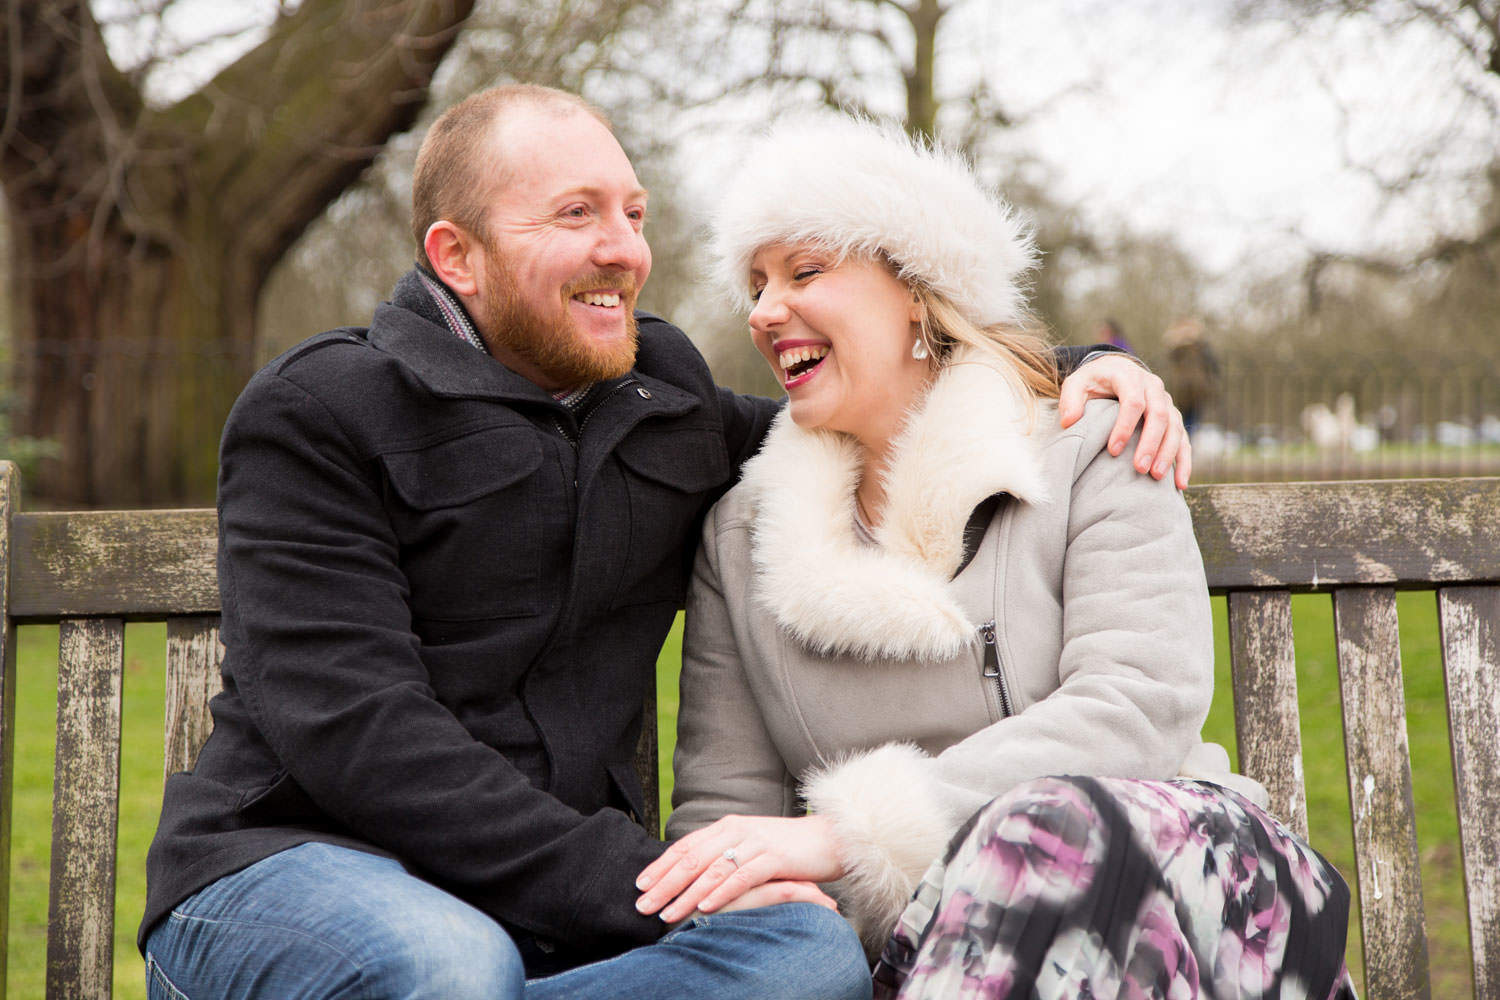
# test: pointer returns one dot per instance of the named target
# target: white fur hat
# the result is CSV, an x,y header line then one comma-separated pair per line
x,y
857,187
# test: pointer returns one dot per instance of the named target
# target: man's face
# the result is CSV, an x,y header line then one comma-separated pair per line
x,y
565,255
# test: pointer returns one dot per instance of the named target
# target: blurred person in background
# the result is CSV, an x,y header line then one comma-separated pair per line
x,y
1110,332
1192,370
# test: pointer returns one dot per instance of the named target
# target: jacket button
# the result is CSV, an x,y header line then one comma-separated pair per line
x,y
643,393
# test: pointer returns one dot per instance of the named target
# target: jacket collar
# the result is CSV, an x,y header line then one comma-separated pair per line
x,y
967,440
411,329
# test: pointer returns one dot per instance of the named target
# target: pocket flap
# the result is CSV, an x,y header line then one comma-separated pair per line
x,y
691,461
465,468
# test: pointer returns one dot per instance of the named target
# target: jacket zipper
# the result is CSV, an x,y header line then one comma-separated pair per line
x,y
575,439
992,666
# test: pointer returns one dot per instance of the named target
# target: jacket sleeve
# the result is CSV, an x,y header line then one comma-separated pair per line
x,y
746,421
725,761
324,656
1134,681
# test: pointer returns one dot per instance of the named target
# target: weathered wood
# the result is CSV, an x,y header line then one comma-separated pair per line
x,y
10,485
85,809
1470,621
646,763
1266,720
1380,793
134,563
194,654
1309,536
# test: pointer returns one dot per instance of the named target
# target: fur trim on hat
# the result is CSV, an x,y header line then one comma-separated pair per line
x,y
860,188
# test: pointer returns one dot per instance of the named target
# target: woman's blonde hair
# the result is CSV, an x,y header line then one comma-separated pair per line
x,y
1026,355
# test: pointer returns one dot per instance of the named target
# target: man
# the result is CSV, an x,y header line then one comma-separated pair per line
x,y
450,547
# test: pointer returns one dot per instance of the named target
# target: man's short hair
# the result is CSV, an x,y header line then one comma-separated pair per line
x,y
454,178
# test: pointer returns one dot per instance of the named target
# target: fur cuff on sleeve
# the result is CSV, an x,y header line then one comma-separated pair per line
x,y
891,824
1210,762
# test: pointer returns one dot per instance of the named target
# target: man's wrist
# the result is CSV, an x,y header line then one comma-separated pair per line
x,y
1115,352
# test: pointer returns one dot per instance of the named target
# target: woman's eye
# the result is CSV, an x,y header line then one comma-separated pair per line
x,y
755,294
802,274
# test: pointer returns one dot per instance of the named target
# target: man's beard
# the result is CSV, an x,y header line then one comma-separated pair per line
x,y
553,343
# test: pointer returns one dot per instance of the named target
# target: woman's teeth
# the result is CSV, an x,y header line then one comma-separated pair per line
x,y
799,357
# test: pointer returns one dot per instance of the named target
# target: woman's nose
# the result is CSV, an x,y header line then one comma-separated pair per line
x,y
770,311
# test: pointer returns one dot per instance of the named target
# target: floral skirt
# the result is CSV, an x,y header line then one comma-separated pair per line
x,y
1100,888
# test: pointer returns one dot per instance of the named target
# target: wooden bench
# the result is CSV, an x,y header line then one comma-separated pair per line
x,y
91,572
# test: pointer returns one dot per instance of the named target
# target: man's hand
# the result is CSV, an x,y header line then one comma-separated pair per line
x,y
1164,442
780,891
725,862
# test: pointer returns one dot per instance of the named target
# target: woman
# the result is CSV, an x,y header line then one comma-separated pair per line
x,y
924,598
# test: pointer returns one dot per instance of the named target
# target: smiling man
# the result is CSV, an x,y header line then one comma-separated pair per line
x,y
451,544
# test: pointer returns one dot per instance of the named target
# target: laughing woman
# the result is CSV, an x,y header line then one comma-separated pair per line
x,y
924,604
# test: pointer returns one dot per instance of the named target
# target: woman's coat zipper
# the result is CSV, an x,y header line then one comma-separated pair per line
x,y
992,666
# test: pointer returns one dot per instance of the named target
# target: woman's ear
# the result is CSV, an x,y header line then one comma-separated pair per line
x,y
918,311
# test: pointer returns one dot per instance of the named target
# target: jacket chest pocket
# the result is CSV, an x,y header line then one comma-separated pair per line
x,y
668,477
474,515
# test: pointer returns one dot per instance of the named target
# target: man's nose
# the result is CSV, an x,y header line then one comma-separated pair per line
x,y
621,244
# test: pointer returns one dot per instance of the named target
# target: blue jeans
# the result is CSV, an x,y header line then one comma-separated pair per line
x,y
323,922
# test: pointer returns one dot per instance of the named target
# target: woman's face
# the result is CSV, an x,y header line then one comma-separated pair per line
x,y
839,338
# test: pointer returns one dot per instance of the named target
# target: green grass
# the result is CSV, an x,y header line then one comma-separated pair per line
x,y
1322,735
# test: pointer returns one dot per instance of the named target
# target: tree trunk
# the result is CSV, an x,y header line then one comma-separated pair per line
x,y
921,95
130,366
141,236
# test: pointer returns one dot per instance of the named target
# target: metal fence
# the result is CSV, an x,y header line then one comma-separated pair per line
x,y
1359,419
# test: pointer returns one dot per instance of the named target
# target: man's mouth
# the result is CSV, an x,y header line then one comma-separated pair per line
x,y
604,300
799,362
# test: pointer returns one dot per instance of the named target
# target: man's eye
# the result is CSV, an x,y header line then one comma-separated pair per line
x,y
577,212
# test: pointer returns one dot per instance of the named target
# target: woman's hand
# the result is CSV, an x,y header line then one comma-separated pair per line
x,y
725,861
1164,442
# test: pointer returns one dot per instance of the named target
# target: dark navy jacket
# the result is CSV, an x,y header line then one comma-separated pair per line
x,y
441,616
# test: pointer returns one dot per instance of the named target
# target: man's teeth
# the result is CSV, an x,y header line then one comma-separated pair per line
x,y
600,298
798,355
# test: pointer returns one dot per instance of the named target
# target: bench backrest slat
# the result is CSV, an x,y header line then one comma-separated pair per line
x,y
193,657
86,797
1412,534
1380,793
1469,618
129,564
1266,720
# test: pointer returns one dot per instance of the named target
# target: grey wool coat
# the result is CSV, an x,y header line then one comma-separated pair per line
x,y
873,685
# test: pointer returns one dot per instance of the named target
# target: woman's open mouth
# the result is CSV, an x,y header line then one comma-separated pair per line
x,y
799,363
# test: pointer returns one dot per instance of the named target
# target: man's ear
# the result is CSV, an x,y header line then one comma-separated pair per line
x,y
451,252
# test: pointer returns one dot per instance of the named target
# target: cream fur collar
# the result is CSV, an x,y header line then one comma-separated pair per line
x,y
966,440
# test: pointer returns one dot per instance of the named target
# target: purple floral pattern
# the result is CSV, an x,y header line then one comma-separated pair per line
x,y
1087,888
